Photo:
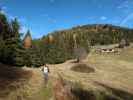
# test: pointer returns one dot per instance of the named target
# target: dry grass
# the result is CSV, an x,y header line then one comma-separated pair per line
x,y
19,83
112,70
12,78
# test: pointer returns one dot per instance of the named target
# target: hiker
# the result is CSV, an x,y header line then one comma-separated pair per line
x,y
45,72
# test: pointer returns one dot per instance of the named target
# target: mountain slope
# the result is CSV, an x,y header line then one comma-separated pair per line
x,y
95,34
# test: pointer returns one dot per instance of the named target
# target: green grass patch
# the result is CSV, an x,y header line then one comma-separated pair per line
x,y
46,92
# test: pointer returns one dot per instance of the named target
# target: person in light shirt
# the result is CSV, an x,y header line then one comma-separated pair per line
x,y
45,72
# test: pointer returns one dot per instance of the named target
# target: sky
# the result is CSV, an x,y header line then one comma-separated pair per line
x,y
45,16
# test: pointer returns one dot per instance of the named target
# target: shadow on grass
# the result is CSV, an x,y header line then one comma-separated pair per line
x,y
124,95
83,68
110,94
80,94
11,78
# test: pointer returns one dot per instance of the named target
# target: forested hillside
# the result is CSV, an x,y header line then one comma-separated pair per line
x,y
96,34
65,44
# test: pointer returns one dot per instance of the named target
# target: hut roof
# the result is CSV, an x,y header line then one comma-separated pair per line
x,y
27,35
